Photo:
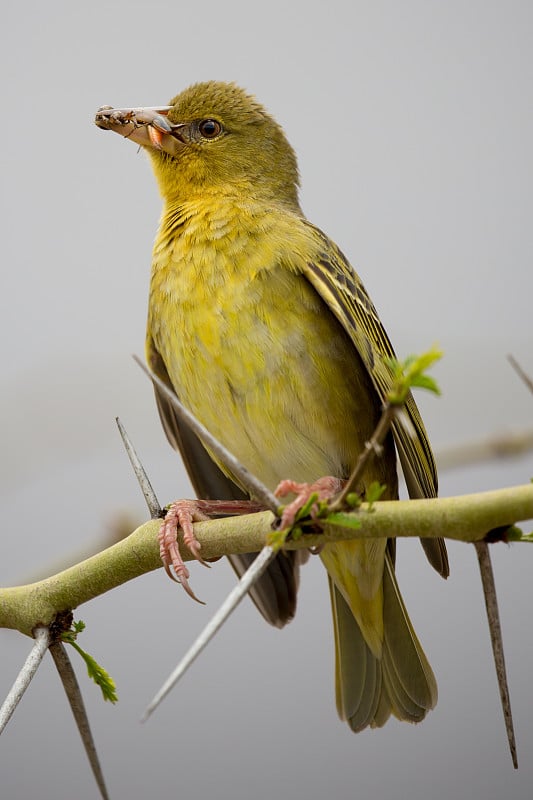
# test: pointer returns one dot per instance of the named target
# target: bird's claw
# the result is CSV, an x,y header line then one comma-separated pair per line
x,y
181,514
324,488
180,575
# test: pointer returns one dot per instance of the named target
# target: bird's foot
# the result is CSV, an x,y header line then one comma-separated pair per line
x,y
324,488
183,514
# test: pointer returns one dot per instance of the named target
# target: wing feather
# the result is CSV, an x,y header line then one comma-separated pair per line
x,y
340,287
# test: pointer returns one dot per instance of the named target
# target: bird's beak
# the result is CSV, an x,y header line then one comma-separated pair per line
x,y
148,127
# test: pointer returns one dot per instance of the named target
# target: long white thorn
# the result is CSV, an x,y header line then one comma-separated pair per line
x,y
254,571
15,694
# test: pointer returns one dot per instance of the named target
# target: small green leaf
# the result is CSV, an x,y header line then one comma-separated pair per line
x,y
342,519
410,373
305,510
514,534
425,382
97,673
277,539
374,493
353,500
296,533
79,626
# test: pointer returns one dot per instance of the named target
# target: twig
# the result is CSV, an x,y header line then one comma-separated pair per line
x,y
240,590
23,680
252,484
72,690
372,447
491,603
464,518
140,473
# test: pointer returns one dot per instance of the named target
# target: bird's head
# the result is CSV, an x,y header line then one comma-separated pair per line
x,y
213,137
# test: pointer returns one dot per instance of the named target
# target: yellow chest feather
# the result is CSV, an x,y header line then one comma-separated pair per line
x,y
254,352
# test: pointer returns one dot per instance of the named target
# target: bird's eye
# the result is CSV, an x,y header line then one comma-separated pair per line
x,y
210,128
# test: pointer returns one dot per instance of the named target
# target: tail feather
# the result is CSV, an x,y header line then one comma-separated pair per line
x,y
357,698
370,688
383,710
409,675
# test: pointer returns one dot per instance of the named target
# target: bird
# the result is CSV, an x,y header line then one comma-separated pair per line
x,y
266,333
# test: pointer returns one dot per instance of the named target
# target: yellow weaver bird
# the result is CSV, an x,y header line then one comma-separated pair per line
x,y
266,333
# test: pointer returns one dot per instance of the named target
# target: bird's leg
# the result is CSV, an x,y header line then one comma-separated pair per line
x,y
183,514
324,488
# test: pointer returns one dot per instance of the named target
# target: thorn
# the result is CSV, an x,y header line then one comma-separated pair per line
x,y
254,571
140,473
42,640
491,604
518,369
72,690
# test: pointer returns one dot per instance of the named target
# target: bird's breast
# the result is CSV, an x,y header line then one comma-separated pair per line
x,y
257,356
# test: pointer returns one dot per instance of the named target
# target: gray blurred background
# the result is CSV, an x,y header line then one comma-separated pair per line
x,y
413,124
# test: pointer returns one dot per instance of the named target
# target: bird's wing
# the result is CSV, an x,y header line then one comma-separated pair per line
x,y
275,592
340,287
